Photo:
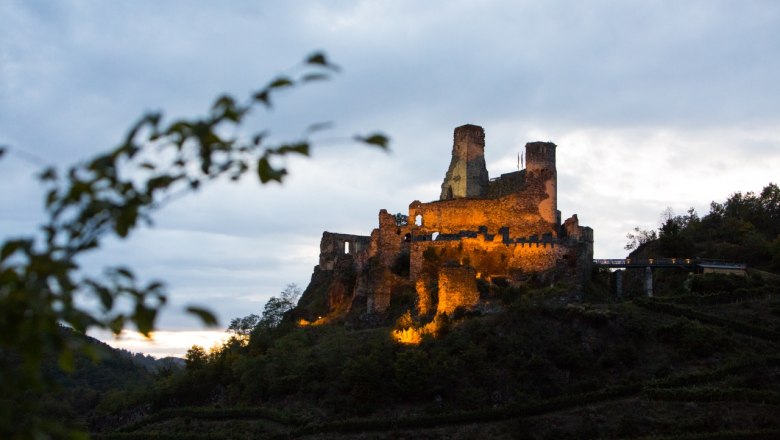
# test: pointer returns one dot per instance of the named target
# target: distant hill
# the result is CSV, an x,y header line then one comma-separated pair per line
x,y
97,380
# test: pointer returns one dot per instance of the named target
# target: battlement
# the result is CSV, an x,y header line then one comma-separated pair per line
x,y
540,156
507,229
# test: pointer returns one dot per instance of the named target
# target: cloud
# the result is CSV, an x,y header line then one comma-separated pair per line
x,y
652,104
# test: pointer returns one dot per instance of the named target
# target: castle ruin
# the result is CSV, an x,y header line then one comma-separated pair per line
x,y
503,231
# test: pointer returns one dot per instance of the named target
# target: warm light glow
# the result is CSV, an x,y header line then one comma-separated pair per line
x,y
413,335
162,343
320,320
410,336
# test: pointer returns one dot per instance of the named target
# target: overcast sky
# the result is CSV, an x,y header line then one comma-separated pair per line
x,y
652,104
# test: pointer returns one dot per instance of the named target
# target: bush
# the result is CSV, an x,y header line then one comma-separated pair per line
x,y
717,282
691,337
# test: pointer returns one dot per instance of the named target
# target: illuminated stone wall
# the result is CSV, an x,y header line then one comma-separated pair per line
x,y
508,183
513,261
332,246
507,228
518,212
457,288
424,296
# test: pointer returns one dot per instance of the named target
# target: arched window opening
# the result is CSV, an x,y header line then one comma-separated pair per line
x,y
434,236
418,220
346,247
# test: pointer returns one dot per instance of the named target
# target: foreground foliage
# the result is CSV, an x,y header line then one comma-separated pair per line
x,y
41,282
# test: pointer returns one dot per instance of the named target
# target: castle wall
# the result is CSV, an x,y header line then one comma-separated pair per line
x,y
507,228
508,183
515,261
457,288
519,212
333,245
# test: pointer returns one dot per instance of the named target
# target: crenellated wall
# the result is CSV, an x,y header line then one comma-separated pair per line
x,y
507,228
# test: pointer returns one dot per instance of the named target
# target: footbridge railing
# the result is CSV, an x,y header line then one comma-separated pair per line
x,y
685,263
648,264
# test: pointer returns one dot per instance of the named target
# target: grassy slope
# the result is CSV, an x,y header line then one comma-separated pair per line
x,y
538,371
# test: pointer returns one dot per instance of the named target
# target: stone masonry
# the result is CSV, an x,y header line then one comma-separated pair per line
x,y
504,230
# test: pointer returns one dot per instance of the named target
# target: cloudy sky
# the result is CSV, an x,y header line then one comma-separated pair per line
x,y
652,105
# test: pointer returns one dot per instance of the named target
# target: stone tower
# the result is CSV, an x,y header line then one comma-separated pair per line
x,y
467,175
540,168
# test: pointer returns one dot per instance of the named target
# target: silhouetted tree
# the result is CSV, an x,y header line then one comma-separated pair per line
x,y
276,307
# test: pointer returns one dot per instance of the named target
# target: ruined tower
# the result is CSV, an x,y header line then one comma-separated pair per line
x,y
540,168
481,232
467,175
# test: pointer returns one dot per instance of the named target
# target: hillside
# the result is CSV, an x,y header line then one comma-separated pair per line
x,y
698,360
672,366
101,377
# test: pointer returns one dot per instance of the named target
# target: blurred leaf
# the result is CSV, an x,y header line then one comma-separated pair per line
x,y
102,164
125,273
3,149
301,148
224,101
144,318
154,286
154,118
280,82
376,139
126,220
319,126
257,138
65,360
159,182
206,316
12,246
117,324
51,197
266,172
315,77
92,352
319,59
48,174
264,97
103,293
148,166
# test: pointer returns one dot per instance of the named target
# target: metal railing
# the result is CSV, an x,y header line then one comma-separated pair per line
x,y
668,262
